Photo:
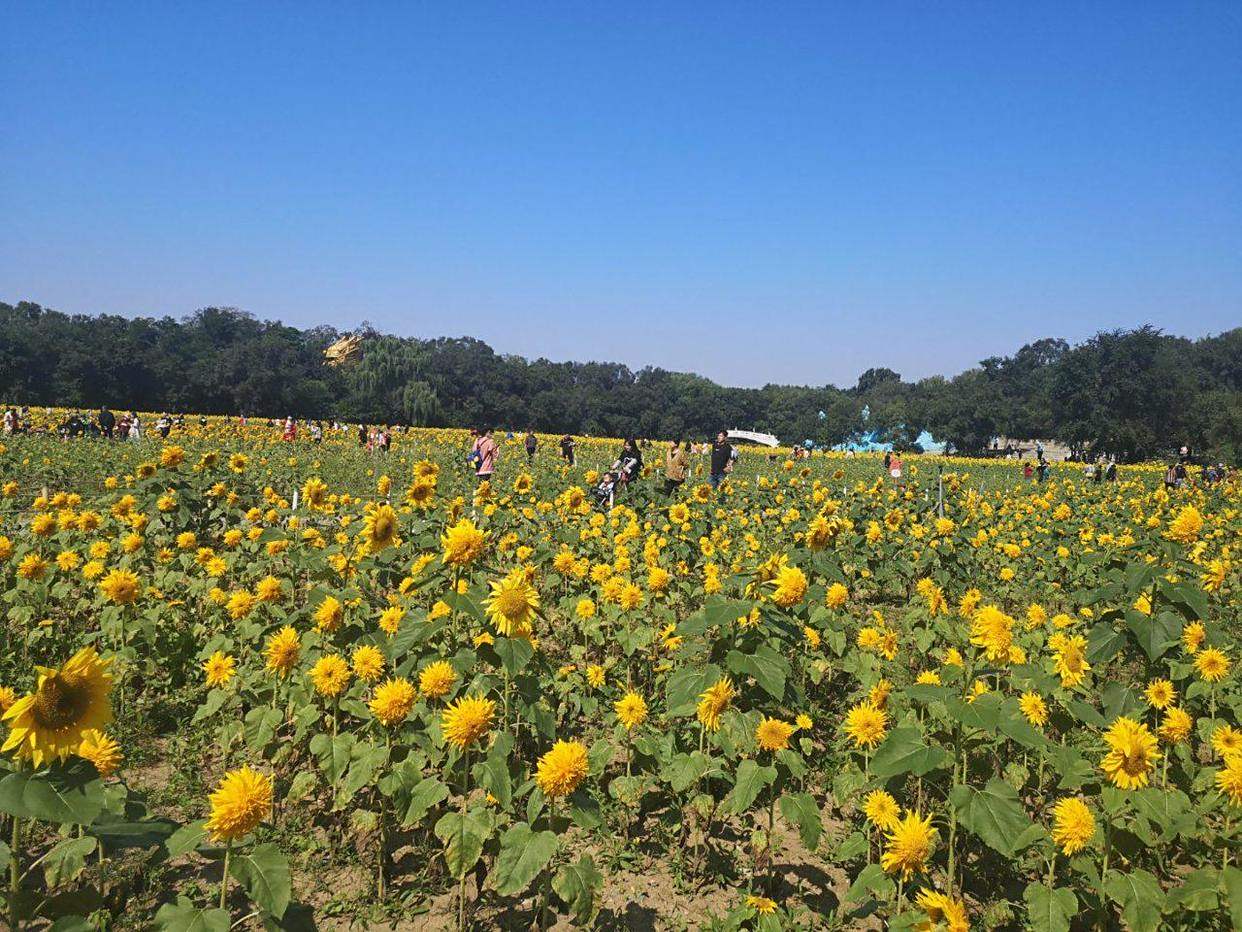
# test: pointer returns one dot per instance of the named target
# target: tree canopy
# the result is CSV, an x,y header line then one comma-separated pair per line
x,y
1132,393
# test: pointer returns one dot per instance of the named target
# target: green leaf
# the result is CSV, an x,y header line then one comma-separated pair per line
x,y
66,860
769,669
1198,892
684,687
303,782
905,750
1139,896
184,916
802,810
63,794
463,837
684,770
577,885
871,881
1075,770
421,797
1154,635
523,854
334,754
492,773
984,713
514,654
1104,642
993,813
264,874
751,779
185,839
1231,877
215,700
1049,910
141,833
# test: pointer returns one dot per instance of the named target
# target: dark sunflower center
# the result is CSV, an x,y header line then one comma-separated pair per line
x,y
60,702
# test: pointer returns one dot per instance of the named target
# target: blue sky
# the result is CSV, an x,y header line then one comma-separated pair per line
x,y
756,192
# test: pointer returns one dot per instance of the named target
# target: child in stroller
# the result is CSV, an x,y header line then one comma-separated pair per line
x,y
605,490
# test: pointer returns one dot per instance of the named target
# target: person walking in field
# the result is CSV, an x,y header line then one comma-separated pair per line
x,y
895,471
532,444
567,449
487,451
676,465
107,422
723,456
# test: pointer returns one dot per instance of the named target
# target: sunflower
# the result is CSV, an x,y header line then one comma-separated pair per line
x,y
561,769
789,586
866,725
390,619
1073,825
467,720
240,604
631,710
908,845
1160,694
523,483
121,587
241,801
328,614
1034,708
330,675
368,663
762,905
1070,661
282,650
1132,754
881,810
462,543
379,528
1176,725
269,589
437,679
512,604
1212,664
49,723
393,700
1226,741
1229,779
836,596
314,492
943,911
713,701
219,669
992,629
1193,636
101,751
420,493
773,735
1185,527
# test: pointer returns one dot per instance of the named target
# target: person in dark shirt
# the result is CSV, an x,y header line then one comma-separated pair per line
x,y
532,444
567,449
107,421
722,458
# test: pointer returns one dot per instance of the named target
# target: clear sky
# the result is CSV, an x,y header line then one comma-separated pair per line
x,y
754,191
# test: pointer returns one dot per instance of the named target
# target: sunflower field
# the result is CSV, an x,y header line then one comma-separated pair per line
x,y
250,683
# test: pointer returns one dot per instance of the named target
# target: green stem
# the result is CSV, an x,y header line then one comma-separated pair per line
x,y
224,879
15,877
461,888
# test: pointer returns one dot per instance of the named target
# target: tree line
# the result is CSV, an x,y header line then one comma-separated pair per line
x,y
1134,394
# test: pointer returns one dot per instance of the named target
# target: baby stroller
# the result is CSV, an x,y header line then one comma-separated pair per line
x,y
605,491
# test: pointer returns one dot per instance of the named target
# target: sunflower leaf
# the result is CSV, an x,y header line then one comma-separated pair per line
x,y
264,873
523,854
